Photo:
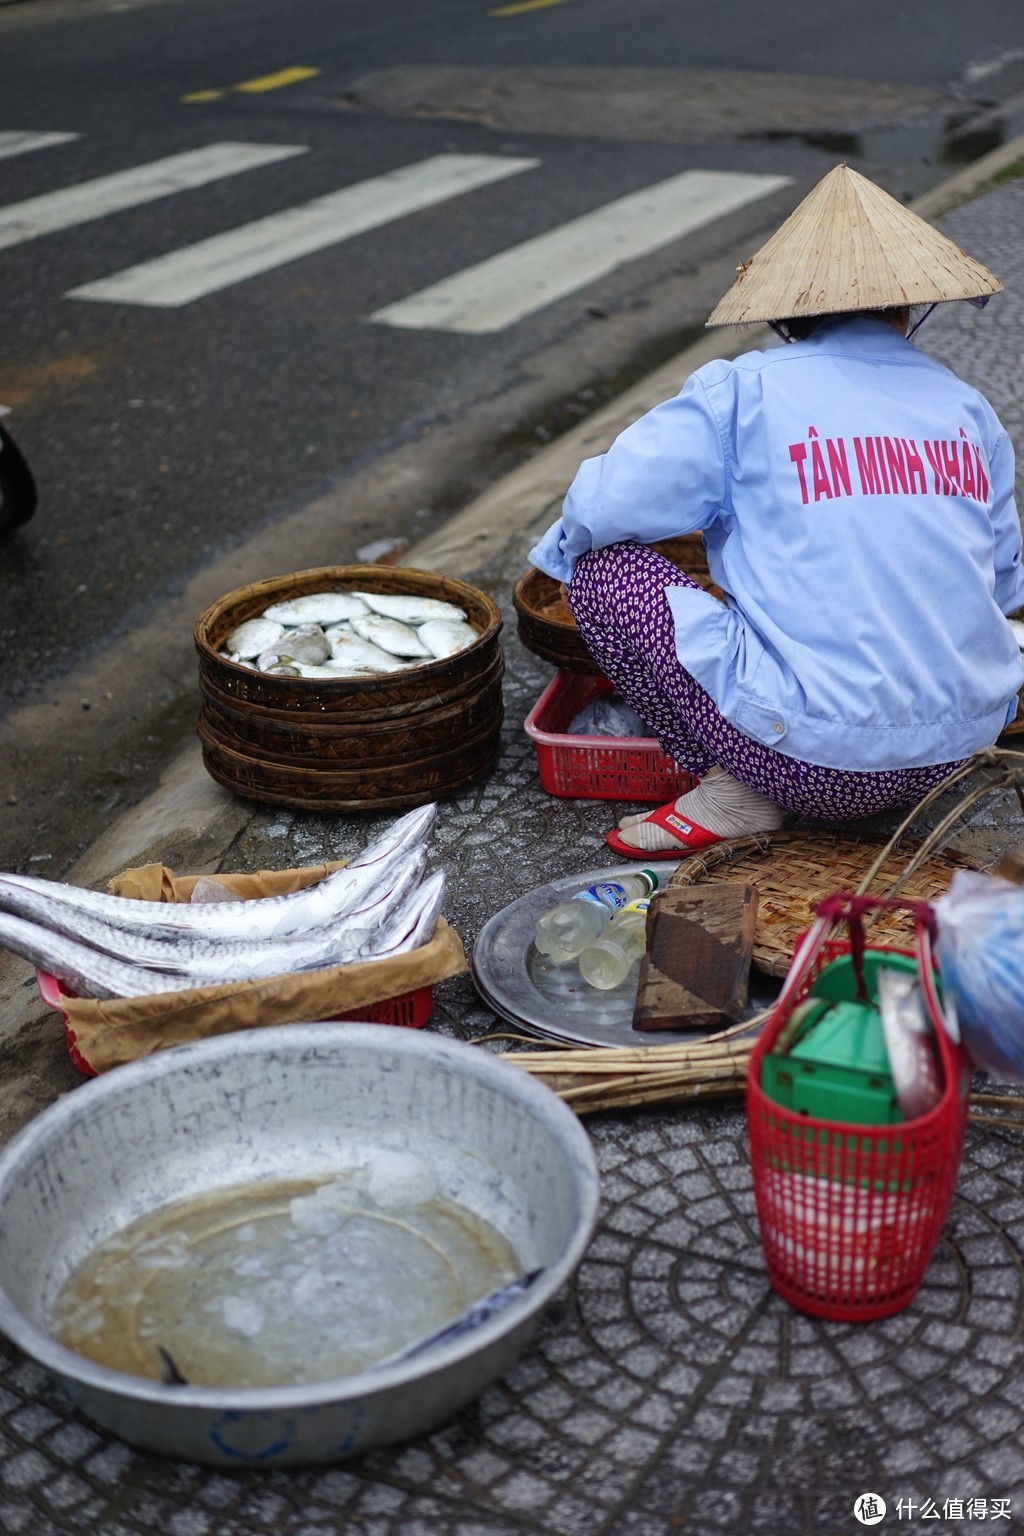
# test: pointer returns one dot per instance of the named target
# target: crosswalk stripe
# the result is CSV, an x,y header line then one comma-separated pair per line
x,y
15,142
495,293
128,189
200,269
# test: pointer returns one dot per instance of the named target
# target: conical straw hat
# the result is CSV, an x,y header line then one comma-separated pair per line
x,y
850,246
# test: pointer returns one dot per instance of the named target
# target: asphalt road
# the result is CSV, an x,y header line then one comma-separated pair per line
x,y
173,440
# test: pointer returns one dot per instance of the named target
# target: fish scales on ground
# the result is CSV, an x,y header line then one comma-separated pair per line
x,y
262,917
397,915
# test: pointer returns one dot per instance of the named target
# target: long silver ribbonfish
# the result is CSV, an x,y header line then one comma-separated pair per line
x,y
413,922
387,909
337,941
398,921
84,971
262,917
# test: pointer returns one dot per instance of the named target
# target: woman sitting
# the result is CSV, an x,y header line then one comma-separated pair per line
x,y
856,501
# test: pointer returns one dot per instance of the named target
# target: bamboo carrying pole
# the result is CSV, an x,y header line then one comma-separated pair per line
x,y
593,1078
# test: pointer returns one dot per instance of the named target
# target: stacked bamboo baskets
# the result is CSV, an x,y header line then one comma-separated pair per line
x,y
375,743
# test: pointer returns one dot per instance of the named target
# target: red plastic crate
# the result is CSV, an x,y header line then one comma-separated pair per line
x,y
597,767
411,1011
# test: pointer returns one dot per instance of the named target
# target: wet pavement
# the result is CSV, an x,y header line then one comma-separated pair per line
x,y
669,1389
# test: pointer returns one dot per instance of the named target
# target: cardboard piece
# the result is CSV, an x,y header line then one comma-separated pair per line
x,y
696,972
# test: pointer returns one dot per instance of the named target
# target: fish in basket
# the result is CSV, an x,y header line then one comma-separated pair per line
x,y
143,967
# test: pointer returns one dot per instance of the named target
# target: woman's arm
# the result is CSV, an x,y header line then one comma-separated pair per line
x,y
664,475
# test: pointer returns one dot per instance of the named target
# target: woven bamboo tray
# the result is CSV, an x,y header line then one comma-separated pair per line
x,y
793,871
545,621
375,743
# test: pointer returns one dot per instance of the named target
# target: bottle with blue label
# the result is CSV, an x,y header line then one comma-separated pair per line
x,y
565,931
607,960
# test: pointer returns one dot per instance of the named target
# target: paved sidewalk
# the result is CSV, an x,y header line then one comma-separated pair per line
x,y
670,1389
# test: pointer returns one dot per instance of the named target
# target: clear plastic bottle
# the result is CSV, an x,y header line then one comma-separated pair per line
x,y
564,931
607,960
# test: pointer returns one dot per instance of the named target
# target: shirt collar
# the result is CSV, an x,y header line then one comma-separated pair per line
x,y
855,333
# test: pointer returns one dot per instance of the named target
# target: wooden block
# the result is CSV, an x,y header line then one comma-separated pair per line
x,y
696,972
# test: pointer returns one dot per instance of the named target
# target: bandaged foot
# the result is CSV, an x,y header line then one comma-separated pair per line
x,y
720,806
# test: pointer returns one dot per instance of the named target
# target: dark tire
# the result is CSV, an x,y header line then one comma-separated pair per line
x,y
18,496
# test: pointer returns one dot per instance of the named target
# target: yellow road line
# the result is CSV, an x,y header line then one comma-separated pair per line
x,y
274,82
252,87
524,5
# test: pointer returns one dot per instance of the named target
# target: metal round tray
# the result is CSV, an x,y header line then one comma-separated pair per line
x,y
553,1001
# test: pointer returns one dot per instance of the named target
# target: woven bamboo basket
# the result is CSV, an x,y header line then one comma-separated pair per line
x,y
545,622
793,871
385,742
344,743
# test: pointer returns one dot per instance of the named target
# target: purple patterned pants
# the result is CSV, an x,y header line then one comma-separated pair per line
x,y
618,599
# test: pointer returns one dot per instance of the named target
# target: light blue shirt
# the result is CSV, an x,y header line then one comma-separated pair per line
x,y
857,504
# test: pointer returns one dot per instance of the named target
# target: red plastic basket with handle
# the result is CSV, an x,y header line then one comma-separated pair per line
x,y
850,1214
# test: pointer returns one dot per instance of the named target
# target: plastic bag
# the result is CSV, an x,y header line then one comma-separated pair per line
x,y
980,951
608,715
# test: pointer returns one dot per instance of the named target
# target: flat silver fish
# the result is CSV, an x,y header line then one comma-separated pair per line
x,y
391,635
326,669
410,608
316,608
252,637
351,650
445,637
345,890
306,645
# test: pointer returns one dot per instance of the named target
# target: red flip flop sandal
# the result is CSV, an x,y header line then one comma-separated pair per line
x,y
689,837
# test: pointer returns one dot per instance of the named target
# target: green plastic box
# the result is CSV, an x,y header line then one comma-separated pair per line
x,y
838,1067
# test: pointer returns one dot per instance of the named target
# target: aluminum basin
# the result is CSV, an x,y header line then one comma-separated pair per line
x,y
284,1102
